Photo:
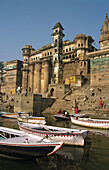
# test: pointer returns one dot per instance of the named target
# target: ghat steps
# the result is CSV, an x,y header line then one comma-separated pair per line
x,y
91,104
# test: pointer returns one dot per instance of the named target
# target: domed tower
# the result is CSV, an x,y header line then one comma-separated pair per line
x,y
57,53
26,54
104,37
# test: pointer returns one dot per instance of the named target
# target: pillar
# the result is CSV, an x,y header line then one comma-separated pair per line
x,y
31,77
46,76
37,77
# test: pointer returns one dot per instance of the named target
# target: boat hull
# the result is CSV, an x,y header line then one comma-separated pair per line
x,y
66,137
64,117
19,145
25,152
88,123
38,120
61,117
11,115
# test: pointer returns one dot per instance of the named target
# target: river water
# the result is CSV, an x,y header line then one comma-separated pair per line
x,y
93,156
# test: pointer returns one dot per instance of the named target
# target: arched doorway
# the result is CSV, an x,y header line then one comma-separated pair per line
x,y
81,73
52,92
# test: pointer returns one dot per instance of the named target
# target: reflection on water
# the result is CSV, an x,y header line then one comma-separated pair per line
x,y
6,164
94,155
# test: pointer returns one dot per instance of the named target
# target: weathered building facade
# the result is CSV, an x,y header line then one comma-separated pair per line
x,y
61,62
56,65
12,76
99,70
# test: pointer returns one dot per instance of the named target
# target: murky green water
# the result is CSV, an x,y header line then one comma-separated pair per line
x,y
93,156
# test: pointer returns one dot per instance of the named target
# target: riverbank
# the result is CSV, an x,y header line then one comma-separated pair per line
x,y
86,98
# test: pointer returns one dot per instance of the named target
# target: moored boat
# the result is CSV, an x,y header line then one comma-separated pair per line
x,y
67,117
12,115
66,135
88,122
32,119
19,145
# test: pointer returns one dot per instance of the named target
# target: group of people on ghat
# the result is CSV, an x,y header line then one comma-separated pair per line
x,y
64,112
75,108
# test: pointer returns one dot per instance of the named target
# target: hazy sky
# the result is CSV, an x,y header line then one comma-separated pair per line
x,y
30,22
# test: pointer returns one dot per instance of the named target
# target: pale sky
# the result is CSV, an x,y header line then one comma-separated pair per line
x,y
30,22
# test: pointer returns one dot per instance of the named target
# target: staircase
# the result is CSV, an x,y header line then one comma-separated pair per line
x,y
92,101
90,105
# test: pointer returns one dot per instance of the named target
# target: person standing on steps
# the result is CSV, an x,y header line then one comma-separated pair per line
x,y
100,102
60,111
73,109
76,109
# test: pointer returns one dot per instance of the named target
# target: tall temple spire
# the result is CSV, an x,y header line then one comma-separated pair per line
x,y
106,18
104,37
57,53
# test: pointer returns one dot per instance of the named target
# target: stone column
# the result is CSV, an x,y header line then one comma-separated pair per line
x,y
31,77
46,75
37,78
25,79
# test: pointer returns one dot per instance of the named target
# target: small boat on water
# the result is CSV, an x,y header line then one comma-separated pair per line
x,y
19,145
67,117
32,119
66,135
94,123
12,115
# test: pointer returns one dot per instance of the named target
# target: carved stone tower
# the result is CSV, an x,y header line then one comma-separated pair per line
x,y
57,53
26,54
104,37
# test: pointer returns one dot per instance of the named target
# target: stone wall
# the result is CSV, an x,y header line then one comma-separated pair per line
x,y
33,103
57,90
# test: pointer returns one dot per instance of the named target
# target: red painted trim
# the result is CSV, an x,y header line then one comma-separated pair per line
x,y
55,150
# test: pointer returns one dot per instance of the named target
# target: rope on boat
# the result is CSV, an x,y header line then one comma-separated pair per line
x,y
3,135
45,137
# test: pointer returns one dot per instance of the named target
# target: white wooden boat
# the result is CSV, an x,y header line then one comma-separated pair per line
x,y
19,145
67,117
94,123
32,119
66,135
12,115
